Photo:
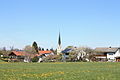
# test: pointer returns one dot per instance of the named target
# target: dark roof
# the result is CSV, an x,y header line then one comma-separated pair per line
x,y
107,49
67,50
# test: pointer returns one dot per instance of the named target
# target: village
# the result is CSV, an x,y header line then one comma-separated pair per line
x,y
69,54
59,40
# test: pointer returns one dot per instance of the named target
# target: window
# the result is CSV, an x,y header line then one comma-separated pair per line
x,y
110,53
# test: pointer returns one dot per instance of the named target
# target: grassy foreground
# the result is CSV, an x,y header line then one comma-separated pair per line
x,y
59,71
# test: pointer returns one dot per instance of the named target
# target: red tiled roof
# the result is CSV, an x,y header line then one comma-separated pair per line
x,y
18,53
21,53
45,52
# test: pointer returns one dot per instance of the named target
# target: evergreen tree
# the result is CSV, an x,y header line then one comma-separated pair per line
x,y
51,49
40,49
35,46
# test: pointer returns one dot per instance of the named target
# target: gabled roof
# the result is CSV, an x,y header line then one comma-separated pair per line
x,y
45,52
18,53
21,53
107,49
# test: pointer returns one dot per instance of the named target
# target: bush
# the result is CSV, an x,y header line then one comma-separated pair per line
x,y
52,58
35,59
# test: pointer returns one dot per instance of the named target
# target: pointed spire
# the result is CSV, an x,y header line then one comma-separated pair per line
x,y
59,40
59,45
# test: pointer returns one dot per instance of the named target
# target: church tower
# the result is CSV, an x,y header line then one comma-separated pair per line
x,y
59,49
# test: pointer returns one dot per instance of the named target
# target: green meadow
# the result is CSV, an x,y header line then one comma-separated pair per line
x,y
60,71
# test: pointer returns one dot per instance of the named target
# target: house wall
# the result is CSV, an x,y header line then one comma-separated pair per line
x,y
117,54
110,56
102,57
114,56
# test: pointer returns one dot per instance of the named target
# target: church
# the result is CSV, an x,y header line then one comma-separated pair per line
x,y
59,48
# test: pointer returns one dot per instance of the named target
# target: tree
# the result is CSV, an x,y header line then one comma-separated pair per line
x,y
40,49
52,58
89,53
73,55
51,49
11,48
4,51
35,46
69,47
81,54
29,53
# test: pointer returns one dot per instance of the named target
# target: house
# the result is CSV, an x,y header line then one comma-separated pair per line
x,y
46,53
66,52
117,55
20,56
110,54
77,55
16,56
43,54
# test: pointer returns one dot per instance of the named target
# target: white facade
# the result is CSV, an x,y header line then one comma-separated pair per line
x,y
117,54
59,49
113,56
102,57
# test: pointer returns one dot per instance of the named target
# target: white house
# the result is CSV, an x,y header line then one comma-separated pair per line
x,y
117,55
110,54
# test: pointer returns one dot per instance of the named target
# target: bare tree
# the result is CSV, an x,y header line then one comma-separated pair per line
x,y
29,53
88,53
82,54
11,48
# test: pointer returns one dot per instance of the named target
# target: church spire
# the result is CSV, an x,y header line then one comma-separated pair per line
x,y
59,40
59,45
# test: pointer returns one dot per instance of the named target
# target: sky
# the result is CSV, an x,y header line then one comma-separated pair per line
x,y
92,23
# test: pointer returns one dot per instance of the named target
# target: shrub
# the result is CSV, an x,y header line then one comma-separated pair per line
x,y
35,59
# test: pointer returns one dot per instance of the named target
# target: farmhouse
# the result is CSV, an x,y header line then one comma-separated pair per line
x,y
16,56
20,56
110,54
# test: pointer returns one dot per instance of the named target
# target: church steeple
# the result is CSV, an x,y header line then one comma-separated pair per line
x,y
59,40
59,49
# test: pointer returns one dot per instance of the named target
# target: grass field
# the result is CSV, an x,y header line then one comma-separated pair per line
x,y
59,71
